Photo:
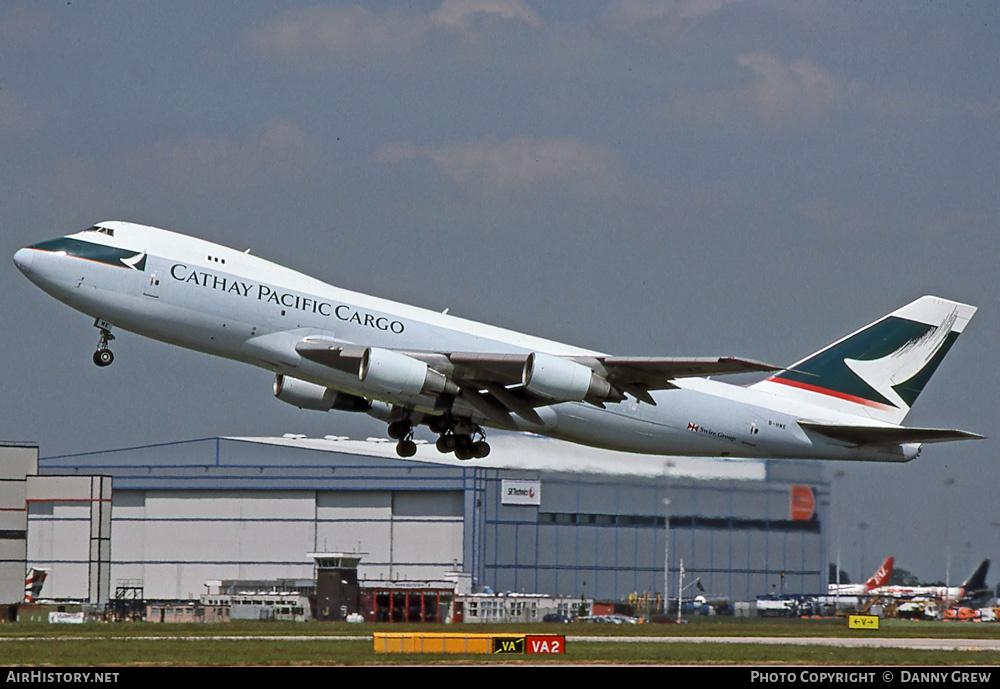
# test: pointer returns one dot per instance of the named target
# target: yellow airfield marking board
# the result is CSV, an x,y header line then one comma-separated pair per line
x,y
862,622
418,642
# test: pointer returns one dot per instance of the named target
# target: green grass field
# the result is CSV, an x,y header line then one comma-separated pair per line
x,y
137,644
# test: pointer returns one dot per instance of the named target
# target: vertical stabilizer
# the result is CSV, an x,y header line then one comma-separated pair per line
x,y
877,372
977,582
33,582
881,577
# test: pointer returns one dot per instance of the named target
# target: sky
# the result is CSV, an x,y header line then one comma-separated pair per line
x,y
689,178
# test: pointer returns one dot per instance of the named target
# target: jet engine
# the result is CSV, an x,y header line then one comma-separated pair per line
x,y
562,380
306,395
400,374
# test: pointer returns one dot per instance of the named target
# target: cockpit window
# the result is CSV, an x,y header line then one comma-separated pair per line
x,y
103,230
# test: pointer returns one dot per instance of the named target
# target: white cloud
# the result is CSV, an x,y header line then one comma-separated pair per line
x,y
460,13
334,29
279,152
783,91
349,30
777,94
519,163
633,12
202,172
800,95
983,109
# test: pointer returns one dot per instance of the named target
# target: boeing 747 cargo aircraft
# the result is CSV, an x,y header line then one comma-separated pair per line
x,y
333,349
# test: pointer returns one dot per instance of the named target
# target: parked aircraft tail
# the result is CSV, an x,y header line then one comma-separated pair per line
x,y
977,582
881,576
878,371
33,582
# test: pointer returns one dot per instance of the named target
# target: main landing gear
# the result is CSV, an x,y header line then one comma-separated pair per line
x,y
461,436
103,356
464,438
402,431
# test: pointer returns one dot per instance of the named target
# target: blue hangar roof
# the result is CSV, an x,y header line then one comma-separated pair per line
x,y
249,463
295,462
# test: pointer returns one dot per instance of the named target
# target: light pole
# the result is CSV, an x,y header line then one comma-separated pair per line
x,y
837,475
680,589
666,555
864,527
948,483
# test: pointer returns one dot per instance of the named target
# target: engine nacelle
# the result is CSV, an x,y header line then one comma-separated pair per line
x,y
306,395
562,380
399,374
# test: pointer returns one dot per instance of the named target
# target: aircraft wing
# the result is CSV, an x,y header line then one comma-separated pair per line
x,y
651,373
655,373
887,435
495,382
633,375
499,368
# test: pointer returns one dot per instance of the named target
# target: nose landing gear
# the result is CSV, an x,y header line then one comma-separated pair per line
x,y
103,356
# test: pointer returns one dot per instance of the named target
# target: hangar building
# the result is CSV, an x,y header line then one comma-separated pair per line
x,y
536,516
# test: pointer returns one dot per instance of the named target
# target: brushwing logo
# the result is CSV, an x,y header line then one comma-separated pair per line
x,y
137,262
897,367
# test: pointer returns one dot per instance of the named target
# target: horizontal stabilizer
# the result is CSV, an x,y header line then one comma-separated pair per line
x,y
887,435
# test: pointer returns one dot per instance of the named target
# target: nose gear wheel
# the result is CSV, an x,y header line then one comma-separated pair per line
x,y
103,356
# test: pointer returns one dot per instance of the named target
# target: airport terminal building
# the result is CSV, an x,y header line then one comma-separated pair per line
x,y
537,516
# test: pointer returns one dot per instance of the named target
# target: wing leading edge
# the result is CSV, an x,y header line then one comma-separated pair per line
x,y
653,373
499,384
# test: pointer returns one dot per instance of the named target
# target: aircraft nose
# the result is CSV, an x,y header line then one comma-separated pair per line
x,y
22,259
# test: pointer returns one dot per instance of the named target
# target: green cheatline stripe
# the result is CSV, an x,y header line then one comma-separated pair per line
x,y
90,251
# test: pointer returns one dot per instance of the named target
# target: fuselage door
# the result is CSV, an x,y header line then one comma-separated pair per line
x,y
151,288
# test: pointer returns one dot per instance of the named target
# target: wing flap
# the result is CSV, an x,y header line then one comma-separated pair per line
x,y
887,435
514,403
647,373
655,373
486,406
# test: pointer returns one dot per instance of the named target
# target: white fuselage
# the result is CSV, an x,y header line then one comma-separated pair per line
x,y
210,298
951,593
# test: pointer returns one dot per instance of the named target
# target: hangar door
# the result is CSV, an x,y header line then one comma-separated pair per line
x,y
401,534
